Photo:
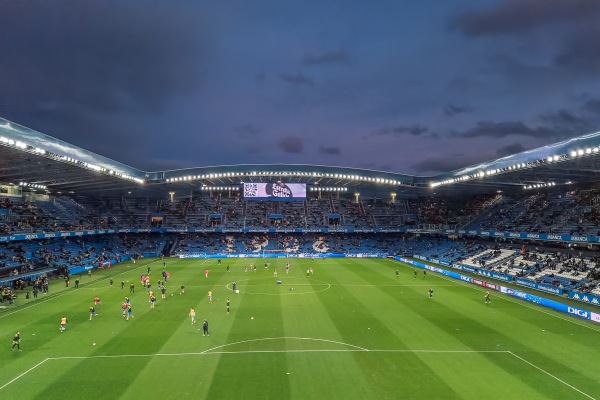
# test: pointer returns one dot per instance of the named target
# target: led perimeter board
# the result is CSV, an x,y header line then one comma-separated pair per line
x,y
275,191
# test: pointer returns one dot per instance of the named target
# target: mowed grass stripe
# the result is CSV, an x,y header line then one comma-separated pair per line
x,y
417,299
320,375
352,313
481,327
257,316
398,308
531,329
457,319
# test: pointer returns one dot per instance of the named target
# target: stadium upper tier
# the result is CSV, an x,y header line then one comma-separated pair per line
x,y
575,212
42,163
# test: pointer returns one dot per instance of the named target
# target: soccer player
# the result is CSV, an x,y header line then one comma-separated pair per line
x,y
182,289
63,323
92,312
205,328
308,272
206,273
209,297
124,309
193,315
89,273
152,300
430,293
97,300
76,283
227,306
228,268
111,282
16,342
163,292
122,285
487,297
275,273
127,301
129,312
234,286
131,288
397,274
415,273
424,273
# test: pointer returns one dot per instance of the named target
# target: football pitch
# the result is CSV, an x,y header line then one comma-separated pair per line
x,y
350,330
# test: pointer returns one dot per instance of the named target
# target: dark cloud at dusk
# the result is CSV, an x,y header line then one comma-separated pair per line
x,y
160,85
292,144
330,150
510,149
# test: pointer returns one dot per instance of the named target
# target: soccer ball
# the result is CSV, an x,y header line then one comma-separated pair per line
x,y
93,344
251,317
171,294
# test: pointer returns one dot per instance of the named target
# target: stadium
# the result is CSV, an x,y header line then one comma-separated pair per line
x,y
482,282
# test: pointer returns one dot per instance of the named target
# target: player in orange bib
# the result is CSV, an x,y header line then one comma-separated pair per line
x,y
209,297
63,323
193,315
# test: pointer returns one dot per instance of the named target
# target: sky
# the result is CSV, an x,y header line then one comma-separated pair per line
x,y
417,87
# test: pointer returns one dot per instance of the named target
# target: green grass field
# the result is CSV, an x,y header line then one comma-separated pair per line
x,y
352,330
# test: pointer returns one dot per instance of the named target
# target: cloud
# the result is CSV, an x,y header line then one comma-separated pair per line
x,y
329,57
89,56
510,149
298,79
329,150
503,129
565,120
415,130
451,110
438,165
593,106
580,52
292,144
247,131
520,16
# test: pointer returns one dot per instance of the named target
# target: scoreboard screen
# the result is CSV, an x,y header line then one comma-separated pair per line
x,y
275,191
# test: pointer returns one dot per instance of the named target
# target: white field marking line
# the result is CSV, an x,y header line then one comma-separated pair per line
x,y
322,283
284,284
24,373
211,352
285,337
57,295
522,303
552,376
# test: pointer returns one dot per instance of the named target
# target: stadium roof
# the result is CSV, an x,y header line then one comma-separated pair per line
x,y
43,163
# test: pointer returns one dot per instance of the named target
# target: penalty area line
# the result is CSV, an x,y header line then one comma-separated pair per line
x,y
552,376
215,351
23,374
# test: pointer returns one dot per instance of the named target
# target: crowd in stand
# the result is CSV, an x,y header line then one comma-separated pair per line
x,y
572,212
